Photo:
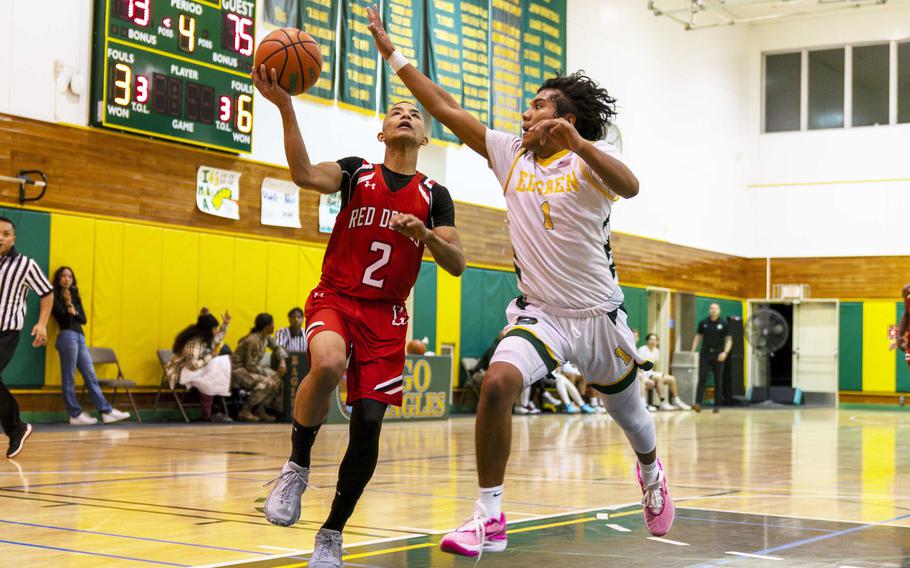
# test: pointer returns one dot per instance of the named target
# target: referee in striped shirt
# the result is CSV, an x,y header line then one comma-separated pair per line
x,y
18,273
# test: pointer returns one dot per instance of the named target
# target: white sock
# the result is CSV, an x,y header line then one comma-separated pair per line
x,y
490,501
648,472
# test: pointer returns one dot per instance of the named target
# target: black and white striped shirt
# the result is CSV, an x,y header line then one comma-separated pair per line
x,y
290,342
18,273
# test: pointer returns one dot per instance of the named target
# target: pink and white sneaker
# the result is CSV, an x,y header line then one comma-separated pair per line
x,y
657,504
477,535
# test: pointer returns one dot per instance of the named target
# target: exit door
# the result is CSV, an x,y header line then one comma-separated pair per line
x,y
815,342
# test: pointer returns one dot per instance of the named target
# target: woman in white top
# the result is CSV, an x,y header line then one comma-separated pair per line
x,y
650,352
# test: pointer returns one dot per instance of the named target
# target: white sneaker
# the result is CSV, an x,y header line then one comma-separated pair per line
x,y
652,408
518,409
83,420
664,405
114,416
680,404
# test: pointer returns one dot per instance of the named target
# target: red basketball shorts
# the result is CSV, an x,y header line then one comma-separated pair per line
x,y
375,333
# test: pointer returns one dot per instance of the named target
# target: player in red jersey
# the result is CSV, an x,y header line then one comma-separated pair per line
x,y
356,318
902,341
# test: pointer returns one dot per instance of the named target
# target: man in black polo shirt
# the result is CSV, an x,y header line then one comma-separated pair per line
x,y
18,274
714,336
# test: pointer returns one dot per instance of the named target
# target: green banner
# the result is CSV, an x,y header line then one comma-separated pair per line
x,y
444,33
543,43
359,58
426,392
404,22
475,58
318,18
506,65
281,13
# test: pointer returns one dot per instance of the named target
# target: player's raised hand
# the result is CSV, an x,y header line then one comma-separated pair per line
x,y
560,131
383,43
266,81
410,226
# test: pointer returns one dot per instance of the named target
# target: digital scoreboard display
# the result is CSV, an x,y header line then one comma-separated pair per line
x,y
176,69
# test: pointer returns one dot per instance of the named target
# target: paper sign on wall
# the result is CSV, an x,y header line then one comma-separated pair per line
x,y
280,203
218,192
329,207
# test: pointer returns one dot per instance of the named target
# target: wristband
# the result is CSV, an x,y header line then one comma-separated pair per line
x,y
397,60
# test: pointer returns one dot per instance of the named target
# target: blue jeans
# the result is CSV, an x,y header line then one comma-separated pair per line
x,y
74,354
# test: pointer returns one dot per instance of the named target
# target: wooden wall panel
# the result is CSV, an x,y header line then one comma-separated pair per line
x,y
838,277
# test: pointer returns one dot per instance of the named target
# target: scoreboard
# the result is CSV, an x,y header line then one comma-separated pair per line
x,y
176,69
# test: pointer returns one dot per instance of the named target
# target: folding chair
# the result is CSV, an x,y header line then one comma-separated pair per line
x,y
106,356
164,356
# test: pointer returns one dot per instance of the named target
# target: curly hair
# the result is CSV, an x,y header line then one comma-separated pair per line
x,y
593,107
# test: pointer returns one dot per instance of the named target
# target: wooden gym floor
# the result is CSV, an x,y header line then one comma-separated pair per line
x,y
765,487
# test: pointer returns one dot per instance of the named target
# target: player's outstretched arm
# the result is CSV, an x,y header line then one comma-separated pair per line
x,y
324,177
433,97
618,177
443,242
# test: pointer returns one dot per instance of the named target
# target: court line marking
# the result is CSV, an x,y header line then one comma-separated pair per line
x,y
814,539
74,551
619,528
887,523
747,523
147,539
667,541
427,544
759,556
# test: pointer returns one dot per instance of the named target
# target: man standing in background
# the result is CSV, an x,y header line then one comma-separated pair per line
x,y
18,273
714,336
901,340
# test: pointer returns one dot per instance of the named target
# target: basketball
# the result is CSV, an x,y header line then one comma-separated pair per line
x,y
295,57
416,347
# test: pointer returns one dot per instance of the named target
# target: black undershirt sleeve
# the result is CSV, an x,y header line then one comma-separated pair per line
x,y
443,212
349,167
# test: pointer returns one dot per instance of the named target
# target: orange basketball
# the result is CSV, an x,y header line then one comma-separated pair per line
x,y
295,57
416,347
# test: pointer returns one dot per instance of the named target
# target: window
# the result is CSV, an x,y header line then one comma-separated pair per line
x,y
826,88
903,82
782,92
870,84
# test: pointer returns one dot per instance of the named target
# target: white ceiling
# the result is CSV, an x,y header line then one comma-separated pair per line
x,y
699,14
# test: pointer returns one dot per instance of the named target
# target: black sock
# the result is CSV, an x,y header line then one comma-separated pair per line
x,y
359,461
302,438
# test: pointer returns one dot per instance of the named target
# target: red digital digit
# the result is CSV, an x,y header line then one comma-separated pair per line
x,y
243,40
224,109
139,12
142,88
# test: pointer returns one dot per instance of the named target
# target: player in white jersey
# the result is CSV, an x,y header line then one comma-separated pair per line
x,y
559,183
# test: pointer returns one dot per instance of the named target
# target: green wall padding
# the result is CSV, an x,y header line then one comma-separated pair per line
x,y
850,346
424,315
903,373
33,239
484,297
727,307
636,303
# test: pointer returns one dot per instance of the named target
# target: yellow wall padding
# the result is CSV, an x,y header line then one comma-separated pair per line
x,y
281,291
179,284
140,310
141,284
76,238
309,270
250,274
448,316
879,364
216,276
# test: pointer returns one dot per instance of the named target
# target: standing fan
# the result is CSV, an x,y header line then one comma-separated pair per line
x,y
766,331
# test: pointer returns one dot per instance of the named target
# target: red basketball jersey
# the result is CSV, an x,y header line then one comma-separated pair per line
x,y
366,258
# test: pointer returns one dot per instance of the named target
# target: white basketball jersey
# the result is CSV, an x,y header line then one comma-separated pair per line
x,y
559,224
